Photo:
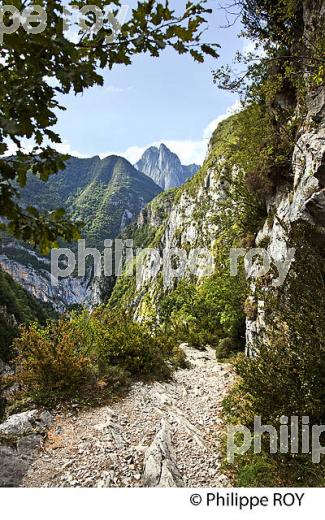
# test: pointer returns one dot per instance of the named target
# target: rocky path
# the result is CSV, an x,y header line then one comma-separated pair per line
x,y
163,434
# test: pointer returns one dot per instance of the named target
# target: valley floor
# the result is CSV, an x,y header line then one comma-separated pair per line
x,y
162,434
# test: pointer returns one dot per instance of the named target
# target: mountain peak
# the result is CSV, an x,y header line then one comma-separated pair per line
x,y
164,167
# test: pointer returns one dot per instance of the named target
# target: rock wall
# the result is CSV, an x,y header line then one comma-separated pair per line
x,y
304,199
183,222
188,220
38,281
165,167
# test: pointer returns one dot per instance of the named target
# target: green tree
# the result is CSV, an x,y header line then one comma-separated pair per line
x,y
35,68
288,56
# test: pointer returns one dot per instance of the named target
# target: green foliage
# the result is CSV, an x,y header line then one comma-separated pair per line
x,y
22,255
51,363
286,376
142,236
35,68
90,356
17,306
274,82
204,313
264,469
235,156
226,348
123,291
260,471
95,192
148,234
273,21
292,60
117,186
134,347
153,216
261,149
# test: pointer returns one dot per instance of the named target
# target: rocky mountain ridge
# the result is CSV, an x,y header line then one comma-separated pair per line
x,y
164,167
187,219
191,216
107,195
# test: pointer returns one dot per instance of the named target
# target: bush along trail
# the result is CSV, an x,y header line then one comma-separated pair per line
x,y
163,434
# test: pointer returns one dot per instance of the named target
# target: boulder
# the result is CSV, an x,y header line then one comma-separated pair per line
x,y
25,423
21,437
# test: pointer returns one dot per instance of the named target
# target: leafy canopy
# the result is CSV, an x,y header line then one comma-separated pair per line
x,y
285,50
35,68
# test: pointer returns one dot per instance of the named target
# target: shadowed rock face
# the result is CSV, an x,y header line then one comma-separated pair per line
x,y
164,167
21,437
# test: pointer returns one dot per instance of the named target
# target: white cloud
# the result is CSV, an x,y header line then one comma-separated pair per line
x,y
66,149
28,145
132,154
188,151
12,148
111,89
236,107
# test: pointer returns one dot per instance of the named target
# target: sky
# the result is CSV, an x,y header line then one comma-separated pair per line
x,y
170,99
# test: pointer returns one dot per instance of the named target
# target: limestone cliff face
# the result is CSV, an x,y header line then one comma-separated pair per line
x,y
188,225
185,219
180,223
188,221
304,200
37,280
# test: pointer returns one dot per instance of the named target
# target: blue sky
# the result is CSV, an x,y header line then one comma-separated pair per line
x,y
170,99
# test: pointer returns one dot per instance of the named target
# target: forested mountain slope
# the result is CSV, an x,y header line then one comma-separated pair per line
x,y
105,195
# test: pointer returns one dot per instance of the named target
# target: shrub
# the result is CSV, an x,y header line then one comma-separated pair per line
x,y
260,470
17,306
85,354
203,314
226,348
132,347
287,376
50,364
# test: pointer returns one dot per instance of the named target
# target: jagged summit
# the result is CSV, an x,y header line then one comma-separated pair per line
x,y
164,167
